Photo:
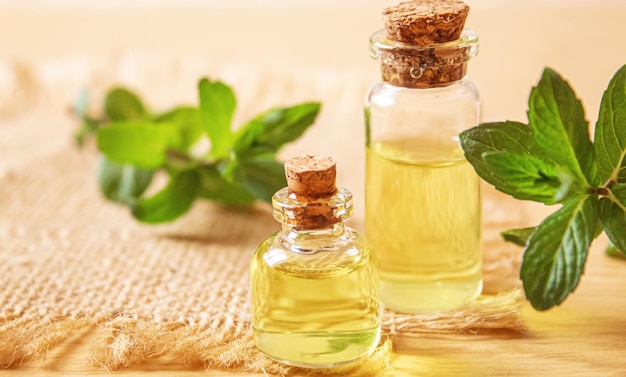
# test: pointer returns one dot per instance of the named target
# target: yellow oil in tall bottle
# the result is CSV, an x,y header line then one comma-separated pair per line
x,y
314,284
423,208
423,215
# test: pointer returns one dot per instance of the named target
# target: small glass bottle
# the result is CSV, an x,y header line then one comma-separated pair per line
x,y
314,284
423,205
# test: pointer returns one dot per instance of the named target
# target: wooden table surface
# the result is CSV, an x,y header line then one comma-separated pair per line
x,y
584,337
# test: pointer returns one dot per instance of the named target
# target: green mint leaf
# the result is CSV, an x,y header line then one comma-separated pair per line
x,y
172,201
135,145
613,215
274,128
499,151
526,176
559,126
189,122
556,253
258,172
619,191
122,104
138,143
610,134
614,221
518,236
122,183
217,104
214,187
614,252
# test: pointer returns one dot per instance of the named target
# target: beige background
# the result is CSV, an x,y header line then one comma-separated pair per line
x,y
582,39
279,54
64,45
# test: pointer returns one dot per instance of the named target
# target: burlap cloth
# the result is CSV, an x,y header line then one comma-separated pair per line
x,y
69,261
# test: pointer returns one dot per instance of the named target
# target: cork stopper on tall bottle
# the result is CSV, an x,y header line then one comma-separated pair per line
x,y
425,22
421,45
311,183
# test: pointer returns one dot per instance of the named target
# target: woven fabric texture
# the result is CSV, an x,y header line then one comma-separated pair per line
x,y
72,262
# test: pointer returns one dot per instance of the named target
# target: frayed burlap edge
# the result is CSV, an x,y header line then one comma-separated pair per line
x,y
497,312
25,340
125,340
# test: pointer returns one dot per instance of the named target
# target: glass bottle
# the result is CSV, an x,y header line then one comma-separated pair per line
x,y
423,204
314,284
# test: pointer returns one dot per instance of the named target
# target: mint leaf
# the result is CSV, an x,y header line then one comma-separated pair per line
x,y
614,222
217,105
276,127
518,236
258,172
610,135
614,252
613,215
500,151
619,192
138,143
122,183
525,176
214,187
172,201
135,145
188,121
122,104
556,254
559,127
528,162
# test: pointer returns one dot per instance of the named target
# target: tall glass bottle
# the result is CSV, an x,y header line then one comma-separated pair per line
x,y
314,284
423,205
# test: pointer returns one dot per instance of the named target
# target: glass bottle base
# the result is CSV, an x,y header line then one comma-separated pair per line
x,y
317,349
428,296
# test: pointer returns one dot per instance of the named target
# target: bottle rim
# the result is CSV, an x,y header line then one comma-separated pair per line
x,y
293,211
449,53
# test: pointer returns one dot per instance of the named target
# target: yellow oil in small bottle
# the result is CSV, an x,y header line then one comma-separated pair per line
x,y
313,317
423,218
314,285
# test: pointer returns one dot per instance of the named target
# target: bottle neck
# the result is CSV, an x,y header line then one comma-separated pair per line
x,y
423,66
303,214
311,241
329,233
409,76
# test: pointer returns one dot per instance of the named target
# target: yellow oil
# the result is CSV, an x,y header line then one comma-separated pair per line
x,y
317,310
423,218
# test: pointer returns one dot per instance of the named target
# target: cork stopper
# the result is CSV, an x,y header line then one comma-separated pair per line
x,y
424,44
312,200
311,176
425,22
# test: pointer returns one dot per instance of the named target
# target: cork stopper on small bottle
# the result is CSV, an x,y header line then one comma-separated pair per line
x,y
311,182
423,47
311,176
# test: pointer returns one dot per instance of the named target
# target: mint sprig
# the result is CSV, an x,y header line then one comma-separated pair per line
x,y
238,168
552,160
